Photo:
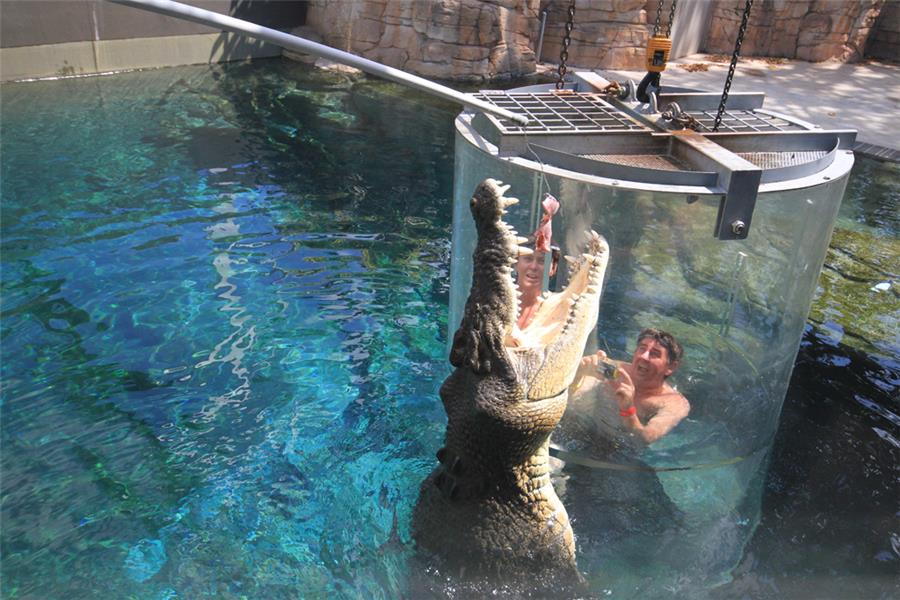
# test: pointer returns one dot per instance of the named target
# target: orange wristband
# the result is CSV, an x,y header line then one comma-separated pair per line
x,y
628,412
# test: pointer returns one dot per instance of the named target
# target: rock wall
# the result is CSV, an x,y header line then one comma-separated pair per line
x,y
812,30
463,40
475,40
607,33
884,41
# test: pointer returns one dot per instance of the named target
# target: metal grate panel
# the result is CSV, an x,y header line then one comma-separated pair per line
x,y
776,160
743,121
568,112
661,162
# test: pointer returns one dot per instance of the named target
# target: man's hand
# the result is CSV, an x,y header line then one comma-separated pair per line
x,y
623,389
588,368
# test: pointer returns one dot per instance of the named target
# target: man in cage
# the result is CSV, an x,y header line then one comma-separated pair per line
x,y
636,400
530,279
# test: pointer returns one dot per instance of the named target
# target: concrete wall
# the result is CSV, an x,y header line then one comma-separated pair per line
x,y
41,38
691,25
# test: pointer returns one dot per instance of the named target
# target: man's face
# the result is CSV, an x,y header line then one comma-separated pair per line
x,y
651,362
530,272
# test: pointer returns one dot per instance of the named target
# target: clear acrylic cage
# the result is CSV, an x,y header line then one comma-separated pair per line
x,y
736,298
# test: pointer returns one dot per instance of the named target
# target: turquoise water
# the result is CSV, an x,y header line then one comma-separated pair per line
x,y
224,303
223,318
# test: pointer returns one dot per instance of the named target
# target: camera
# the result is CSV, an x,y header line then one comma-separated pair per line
x,y
607,369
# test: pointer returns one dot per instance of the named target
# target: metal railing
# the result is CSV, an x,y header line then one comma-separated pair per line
x,y
299,44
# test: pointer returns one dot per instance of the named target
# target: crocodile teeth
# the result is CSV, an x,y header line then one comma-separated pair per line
x,y
523,251
521,240
570,259
510,201
503,188
588,257
592,289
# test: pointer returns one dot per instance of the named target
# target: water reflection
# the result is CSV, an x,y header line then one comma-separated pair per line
x,y
240,341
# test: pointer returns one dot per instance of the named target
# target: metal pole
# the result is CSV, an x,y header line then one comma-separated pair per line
x,y
293,42
540,48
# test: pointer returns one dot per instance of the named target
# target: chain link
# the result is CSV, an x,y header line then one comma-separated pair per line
x,y
658,17
564,54
659,6
671,18
674,114
734,59
613,90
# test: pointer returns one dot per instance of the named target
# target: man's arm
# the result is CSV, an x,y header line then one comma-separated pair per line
x,y
672,412
674,407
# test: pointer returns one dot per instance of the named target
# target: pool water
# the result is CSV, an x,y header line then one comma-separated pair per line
x,y
224,312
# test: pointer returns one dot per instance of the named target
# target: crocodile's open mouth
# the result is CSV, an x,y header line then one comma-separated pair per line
x,y
490,507
546,353
559,309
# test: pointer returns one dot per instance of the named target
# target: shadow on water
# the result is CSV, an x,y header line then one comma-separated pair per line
x,y
829,527
83,459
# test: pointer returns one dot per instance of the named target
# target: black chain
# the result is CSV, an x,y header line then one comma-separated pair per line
x,y
658,17
671,18
564,54
659,6
734,59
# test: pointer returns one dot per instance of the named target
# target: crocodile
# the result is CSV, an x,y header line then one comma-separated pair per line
x,y
489,511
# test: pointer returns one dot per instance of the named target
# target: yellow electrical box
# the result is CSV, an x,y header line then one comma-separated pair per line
x,y
658,49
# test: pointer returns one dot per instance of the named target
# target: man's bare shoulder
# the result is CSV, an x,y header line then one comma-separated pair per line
x,y
671,400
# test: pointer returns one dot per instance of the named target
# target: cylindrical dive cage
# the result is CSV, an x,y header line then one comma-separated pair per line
x,y
715,237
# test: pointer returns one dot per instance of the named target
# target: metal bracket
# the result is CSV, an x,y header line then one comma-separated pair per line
x,y
736,206
738,178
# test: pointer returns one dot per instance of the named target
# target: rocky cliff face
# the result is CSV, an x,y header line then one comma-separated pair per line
x,y
475,40
607,34
444,39
884,41
810,30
